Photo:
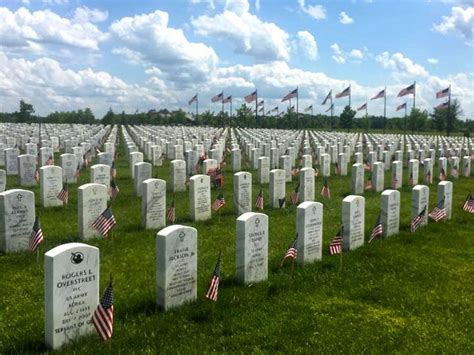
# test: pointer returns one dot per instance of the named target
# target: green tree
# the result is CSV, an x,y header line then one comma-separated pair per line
x,y
347,117
417,120
26,109
109,117
453,113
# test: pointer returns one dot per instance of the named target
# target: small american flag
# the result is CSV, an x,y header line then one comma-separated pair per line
x,y
410,179
105,222
454,172
366,166
338,169
468,204
292,252
377,231
37,176
78,173
294,195
295,171
85,162
325,192
394,181
64,194
439,212
213,289
442,175
219,202
259,200
428,177
316,172
417,220
171,212
114,189
97,150
103,317
36,237
335,247
50,160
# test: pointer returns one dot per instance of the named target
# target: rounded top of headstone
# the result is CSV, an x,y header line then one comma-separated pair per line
x,y
309,204
92,185
76,257
249,215
19,192
175,228
390,192
420,187
445,183
352,198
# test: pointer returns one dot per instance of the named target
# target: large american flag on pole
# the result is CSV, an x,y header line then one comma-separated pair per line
x,y
363,107
193,99
402,106
443,93
328,97
309,108
105,222
439,212
251,97
290,95
442,106
213,289
408,90
228,99
344,93
379,95
36,237
218,97
103,317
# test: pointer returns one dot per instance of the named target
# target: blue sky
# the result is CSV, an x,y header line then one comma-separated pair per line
x,y
70,54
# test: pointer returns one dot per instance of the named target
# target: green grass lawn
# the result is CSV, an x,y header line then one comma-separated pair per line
x,y
410,293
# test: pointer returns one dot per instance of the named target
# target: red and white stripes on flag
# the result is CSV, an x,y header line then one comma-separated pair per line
x,y
468,205
218,97
64,194
309,108
363,107
103,317
114,189
294,195
442,106
290,95
292,252
251,97
335,247
213,289
377,231
219,202
380,95
439,212
344,93
443,93
259,200
36,237
105,222
417,220
408,90
171,213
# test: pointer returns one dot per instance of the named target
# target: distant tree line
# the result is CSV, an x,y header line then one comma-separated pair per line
x,y
441,120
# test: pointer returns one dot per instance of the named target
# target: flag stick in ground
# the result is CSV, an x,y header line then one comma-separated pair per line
x,y
213,289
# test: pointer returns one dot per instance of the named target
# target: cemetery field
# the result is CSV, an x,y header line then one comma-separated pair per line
x,y
409,293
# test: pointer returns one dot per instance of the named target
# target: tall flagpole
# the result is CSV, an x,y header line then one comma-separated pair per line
x,y
384,108
231,106
448,126
222,103
297,99
256,105
197,107
405,123
312,113
414,94
350,94
332,112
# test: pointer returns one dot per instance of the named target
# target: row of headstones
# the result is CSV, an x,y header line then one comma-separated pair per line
x,y
72,270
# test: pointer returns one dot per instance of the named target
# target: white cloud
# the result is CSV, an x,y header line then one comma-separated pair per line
x,y
318,12
460,23
357,54
210,3
49,86
148,39
307,44
432,61
33,31
345,19
400,64
84,14
337,54
249,35
257,5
